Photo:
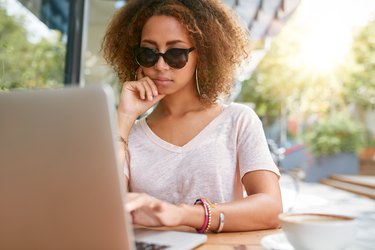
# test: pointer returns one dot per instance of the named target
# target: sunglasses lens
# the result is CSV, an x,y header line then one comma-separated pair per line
x,y
146,57
176,58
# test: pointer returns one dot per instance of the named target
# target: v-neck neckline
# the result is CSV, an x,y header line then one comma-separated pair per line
x,y
187,146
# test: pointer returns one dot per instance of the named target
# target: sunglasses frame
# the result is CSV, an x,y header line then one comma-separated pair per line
x,y
186,51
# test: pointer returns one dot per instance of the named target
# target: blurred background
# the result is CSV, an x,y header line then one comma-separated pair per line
x,y
311,75
310,78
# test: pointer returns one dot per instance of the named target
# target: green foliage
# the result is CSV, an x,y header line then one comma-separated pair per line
x,y
24,64
255,92
370,140
360,86
335,134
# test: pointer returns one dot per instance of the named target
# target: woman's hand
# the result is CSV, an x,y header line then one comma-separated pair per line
x,y
151,212
138,96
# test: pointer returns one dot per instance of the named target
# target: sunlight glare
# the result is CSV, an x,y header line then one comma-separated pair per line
x,y
328,28
327,39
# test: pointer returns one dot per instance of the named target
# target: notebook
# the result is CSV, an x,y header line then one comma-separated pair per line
x,y
61,186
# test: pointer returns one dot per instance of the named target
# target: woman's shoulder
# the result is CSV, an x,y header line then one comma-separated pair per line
x,y
240,109
243,116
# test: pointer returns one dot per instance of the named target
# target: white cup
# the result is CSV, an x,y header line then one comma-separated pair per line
x,y
310,231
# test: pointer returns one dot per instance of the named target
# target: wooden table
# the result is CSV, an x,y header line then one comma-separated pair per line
x,y
237,241
234,241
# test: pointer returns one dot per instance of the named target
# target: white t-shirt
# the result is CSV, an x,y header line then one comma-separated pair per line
x,y
211,165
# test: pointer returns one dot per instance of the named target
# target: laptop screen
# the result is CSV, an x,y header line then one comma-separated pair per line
x,y
60,181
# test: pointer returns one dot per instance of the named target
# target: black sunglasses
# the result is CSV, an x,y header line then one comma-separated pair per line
x,y
174,57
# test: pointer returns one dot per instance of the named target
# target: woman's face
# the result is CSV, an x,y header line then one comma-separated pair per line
x,y
161,33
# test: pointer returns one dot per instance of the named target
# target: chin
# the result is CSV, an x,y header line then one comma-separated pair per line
x,y
164,91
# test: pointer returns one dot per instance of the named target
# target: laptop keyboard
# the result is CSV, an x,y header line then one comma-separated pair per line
x,y
149,246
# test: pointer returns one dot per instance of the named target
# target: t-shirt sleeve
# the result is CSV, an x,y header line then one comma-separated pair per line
x,y
253,152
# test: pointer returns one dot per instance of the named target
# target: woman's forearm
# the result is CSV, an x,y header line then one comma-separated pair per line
x,y
124,125
255,212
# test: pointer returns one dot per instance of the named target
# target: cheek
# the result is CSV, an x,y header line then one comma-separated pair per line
x,y
190,67
192,62
189,72
147,71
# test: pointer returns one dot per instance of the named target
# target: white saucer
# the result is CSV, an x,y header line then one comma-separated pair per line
x,y
276,242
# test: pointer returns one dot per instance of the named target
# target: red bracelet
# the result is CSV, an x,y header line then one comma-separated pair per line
x,y
207,215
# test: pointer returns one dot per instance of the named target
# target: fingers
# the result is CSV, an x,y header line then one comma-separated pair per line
x,y
137,200
140,88
152,86
146,88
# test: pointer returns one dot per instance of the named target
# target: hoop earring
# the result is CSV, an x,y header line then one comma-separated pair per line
x,y
196,81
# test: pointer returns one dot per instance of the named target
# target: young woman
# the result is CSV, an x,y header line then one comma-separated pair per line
x,y
189,161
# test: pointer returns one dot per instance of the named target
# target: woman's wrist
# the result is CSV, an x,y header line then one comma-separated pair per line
x,y
124,124
192,215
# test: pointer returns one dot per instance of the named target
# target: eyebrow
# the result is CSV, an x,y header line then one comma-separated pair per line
x,y
168,43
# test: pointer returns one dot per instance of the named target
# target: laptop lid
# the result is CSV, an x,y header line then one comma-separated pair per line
x,y
61,186
60,181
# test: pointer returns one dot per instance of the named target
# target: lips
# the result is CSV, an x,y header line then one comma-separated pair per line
x,y
162,81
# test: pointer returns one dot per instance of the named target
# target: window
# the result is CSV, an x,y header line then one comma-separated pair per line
x,y
38,43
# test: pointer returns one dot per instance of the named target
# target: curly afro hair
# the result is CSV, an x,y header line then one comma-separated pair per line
x,y
221,42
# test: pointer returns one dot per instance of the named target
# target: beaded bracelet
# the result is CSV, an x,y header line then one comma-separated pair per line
x,y
207,215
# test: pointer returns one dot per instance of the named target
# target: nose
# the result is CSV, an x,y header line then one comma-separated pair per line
x,y
161,64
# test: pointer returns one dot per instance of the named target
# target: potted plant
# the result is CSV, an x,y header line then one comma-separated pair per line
x,y
367,157
334,143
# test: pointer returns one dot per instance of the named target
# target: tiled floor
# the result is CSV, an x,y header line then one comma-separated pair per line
x,y
315,197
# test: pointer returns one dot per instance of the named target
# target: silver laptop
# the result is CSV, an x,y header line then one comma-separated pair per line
x,y
61,186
